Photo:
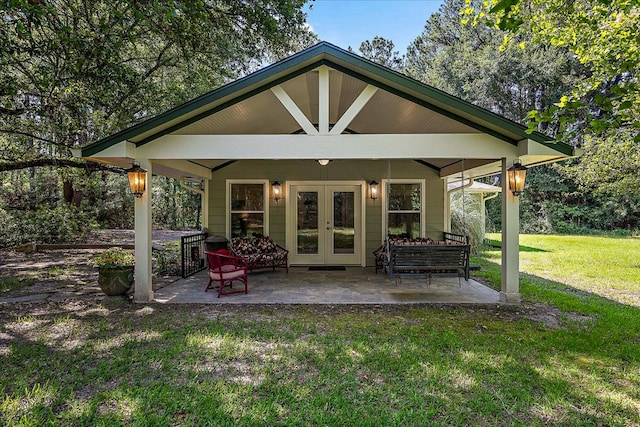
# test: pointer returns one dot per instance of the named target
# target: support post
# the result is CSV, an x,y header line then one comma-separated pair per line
x,y
510,290
205,204
143,291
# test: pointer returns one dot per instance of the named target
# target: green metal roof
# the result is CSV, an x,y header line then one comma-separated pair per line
x,y
325,54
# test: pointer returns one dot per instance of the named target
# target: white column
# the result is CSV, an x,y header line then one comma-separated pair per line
x,y
510,292
205,204
143,291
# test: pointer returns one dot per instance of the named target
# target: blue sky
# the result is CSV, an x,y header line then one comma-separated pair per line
x,y
350,22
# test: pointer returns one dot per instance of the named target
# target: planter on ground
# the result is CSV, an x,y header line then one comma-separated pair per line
x,y
115,280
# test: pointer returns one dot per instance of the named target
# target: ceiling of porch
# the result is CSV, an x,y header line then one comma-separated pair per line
x,y
384,113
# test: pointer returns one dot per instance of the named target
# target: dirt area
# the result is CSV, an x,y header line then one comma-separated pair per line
x,y
68,273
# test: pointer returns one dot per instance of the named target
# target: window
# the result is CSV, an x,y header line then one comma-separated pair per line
x,y
247,202
404,213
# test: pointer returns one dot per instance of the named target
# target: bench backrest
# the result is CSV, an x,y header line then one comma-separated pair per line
x,y
455,238
434,257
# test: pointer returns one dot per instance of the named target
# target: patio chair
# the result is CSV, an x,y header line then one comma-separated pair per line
x,y
224,269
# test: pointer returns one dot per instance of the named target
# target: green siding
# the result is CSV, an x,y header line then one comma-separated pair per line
x,y
339,170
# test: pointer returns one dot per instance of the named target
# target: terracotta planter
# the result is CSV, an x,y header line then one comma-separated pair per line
x,y
115,280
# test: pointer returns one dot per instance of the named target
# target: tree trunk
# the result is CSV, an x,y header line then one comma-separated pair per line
x,y
67,191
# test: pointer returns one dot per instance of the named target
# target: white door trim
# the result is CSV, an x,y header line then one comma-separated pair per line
x,y
290,237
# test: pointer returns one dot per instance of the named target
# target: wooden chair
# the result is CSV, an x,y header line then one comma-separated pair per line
x,y
224,269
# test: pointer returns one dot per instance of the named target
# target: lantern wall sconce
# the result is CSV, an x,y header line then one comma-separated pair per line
x,y
276,191
373,190
516,175
137,180
324,162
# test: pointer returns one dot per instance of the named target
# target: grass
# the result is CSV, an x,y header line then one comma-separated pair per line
x,y
85,363
8,284
605,266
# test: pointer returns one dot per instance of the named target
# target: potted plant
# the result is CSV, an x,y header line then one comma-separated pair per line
x,y
115,270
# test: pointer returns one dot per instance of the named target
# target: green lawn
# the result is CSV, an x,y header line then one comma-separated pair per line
x,y
606,266
574,362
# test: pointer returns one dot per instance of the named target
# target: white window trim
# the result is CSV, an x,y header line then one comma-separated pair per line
x,y
385,205
265,202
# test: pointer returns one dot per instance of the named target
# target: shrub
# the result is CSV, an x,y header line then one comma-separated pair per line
x,y
114,257
61,224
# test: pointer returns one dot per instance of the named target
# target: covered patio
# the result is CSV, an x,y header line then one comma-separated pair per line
x,y
354,285
294,151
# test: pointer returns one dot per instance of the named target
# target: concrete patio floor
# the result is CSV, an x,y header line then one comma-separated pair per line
x,y
356,285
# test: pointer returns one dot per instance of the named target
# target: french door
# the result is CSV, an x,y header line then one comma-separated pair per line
x,y
325,224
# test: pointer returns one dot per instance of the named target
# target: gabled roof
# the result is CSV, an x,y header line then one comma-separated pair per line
x,y
324,53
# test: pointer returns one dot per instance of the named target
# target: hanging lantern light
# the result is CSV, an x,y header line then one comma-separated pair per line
x,y
373,190
516,175
137,180
276,191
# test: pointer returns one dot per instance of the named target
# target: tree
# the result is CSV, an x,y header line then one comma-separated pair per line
x,y
380,50
73,71
466,61
604,36
472,63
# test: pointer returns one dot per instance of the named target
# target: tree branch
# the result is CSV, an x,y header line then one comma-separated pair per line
x,y
60,163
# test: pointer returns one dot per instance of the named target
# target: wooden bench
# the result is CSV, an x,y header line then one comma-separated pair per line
x,y
425,260
380,255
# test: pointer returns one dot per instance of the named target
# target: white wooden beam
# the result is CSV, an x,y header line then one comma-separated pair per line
x,y
344,146
323,100
354,109
121,149
468,164
188,168
294,110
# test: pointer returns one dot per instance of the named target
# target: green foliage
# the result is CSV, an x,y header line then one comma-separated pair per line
x,y
72,72
173,206
568,356
604,37
60,224
609,167
466,218
380,50
601,190
8,284
114,257
167,260
466,61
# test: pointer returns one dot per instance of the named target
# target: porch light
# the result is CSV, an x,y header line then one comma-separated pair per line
x,y
276,191
373,190
324,162
137,179
516,175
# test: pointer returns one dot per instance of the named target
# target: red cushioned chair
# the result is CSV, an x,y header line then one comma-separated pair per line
x,y
224,269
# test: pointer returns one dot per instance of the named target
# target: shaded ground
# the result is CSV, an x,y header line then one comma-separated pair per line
x,y
64,275
69,273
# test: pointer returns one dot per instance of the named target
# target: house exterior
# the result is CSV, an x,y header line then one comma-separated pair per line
x,y
324,124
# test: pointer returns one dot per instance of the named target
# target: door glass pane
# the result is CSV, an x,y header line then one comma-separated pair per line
x,y
246,224
307,222
343,222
